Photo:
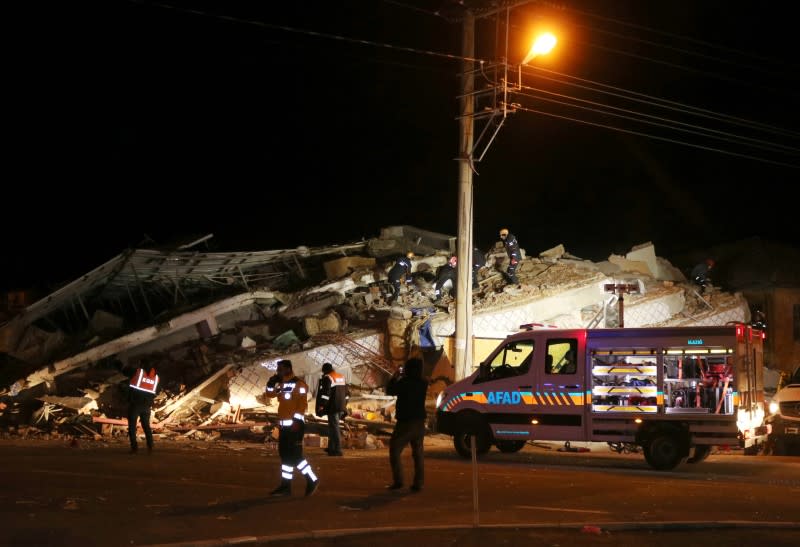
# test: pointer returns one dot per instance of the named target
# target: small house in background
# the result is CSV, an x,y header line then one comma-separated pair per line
x,y
767,274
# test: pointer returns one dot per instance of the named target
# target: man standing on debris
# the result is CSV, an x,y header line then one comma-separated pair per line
x,y
701,273
292,393
514,255
141,393
332,396
411,390
401,269
478,262
446,279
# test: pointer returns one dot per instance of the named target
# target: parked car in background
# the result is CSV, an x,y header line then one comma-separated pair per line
x,y
784,417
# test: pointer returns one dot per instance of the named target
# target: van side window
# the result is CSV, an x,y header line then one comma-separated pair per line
x,y
513,359
561,357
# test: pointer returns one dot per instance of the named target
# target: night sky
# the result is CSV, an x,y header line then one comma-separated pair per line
x,y
278,124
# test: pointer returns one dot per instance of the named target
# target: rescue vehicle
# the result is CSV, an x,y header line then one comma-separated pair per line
x,y
675,392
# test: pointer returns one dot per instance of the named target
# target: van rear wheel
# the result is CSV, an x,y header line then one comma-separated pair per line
x,y
665,452
461,442
701,452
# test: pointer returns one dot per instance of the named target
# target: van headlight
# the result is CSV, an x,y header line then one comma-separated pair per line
x,y
774,407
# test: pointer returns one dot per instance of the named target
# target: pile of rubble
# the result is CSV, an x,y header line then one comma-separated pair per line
x,y
215,324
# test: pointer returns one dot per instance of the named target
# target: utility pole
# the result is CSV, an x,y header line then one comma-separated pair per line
x,y
463,334
463,354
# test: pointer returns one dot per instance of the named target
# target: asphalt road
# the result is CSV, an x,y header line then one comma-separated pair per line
x,y
216,493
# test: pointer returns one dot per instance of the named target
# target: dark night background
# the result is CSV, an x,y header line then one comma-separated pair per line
x,y
278,124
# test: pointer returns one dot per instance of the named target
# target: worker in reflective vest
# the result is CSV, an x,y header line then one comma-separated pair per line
x,y
142,390
332,397
292,394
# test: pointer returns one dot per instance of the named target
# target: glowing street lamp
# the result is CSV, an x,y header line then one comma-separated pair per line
x,y
543,44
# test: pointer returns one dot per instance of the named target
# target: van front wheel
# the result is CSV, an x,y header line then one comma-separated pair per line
x,y
509,447
461,442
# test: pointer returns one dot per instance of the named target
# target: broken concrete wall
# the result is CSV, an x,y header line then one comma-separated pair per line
x,y
653,309
726,308
635,266
249,382
396,240
182,326
327,322
36,345
334,269
105,322
498,323
660,269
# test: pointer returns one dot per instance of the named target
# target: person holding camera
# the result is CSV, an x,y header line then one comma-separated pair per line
x,y
411,389
292,393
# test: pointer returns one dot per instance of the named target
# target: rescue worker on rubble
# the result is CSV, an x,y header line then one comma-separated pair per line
x,y
400,270
701,273
514,256
478,262
142,389
332,397
446,279
292,393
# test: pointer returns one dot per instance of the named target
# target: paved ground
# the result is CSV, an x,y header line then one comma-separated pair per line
x,y
203,493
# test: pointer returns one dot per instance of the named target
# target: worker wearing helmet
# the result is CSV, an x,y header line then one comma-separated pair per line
x,y
701,273
514,255
446,279
400,270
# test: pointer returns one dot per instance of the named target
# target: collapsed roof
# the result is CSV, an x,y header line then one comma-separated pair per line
x,y
216,323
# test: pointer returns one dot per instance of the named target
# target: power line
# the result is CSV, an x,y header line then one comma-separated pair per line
x,y
642,97
599,88
308,32
662,125
670,35
665,139
657,121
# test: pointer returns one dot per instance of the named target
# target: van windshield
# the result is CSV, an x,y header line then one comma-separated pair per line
x,y
512,360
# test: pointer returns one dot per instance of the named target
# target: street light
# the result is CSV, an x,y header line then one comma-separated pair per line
x,y
543,44
463,321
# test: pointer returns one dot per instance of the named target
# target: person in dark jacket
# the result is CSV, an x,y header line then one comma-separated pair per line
x,y
446,279
411,389
478,262
332,396
142,390
401,269
701,273
514,255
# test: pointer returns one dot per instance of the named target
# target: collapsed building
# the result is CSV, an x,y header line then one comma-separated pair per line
x,y
217,323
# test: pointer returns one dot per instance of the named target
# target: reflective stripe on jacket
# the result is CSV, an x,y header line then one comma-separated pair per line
x,y
332,394
292,398
143,381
